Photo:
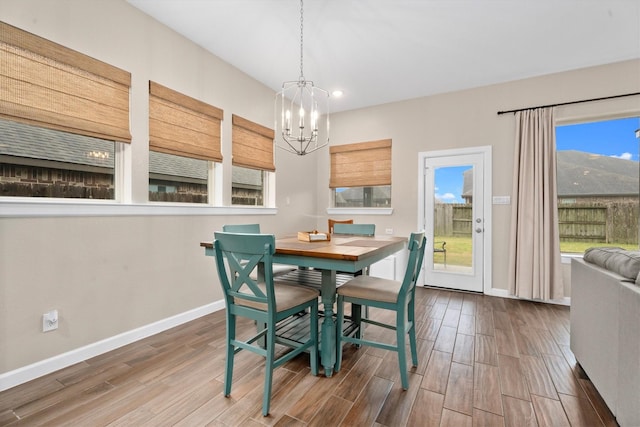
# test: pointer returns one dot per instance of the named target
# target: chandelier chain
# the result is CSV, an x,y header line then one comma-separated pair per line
x,y
301,41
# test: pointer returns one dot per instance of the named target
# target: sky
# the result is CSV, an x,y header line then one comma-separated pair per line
x,y
615,138
448,181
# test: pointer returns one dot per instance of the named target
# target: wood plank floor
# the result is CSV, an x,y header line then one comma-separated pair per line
x,y
482,361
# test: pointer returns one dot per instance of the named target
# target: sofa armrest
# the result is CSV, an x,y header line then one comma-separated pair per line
x,y
628,412
594,326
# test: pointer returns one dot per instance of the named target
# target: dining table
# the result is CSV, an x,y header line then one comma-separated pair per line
x,y
321,264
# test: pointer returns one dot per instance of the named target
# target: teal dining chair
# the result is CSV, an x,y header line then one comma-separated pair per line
x,y
263,301
255,229
241,228
354,229
397,296
366,230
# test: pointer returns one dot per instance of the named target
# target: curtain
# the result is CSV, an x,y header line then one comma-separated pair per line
x,y
48,85
252,145
362,164
534,259
183,126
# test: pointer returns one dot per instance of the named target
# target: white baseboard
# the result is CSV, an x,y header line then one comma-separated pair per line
x,y
27,373
505,294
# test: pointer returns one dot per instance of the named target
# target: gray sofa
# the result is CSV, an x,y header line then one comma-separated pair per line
x,y
605,327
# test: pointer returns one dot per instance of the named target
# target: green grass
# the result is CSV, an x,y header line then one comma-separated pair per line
x,y
459,249
580,247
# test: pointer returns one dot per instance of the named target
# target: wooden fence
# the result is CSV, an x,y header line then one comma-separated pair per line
x,y
453,219
597,223
607,223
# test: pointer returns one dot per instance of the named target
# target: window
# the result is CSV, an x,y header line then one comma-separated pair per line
x,y
358,197
62,115
40,162
184,138
177,179
361,174
247,186
252,161
597,171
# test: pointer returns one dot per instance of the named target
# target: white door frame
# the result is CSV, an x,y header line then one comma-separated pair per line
x,y
485,151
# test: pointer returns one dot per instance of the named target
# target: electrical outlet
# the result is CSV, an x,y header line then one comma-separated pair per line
x,y
50,321
389,230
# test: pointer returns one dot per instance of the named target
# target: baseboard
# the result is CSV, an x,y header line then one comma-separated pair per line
x,y
495,292
27,373
504,293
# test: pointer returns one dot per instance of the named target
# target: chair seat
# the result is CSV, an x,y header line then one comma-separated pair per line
x,y
371,288
287,296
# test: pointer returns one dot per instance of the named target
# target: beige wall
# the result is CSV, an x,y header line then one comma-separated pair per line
x,y
110,274
469,119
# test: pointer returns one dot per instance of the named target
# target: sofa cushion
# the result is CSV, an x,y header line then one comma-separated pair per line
x,y
621,261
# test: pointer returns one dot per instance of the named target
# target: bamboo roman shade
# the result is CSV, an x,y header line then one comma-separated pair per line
x,y
364,164
183,126
252,145
48,85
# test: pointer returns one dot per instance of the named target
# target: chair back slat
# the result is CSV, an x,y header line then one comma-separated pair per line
x,y
243,252
355,229
242,228
243,267
417,243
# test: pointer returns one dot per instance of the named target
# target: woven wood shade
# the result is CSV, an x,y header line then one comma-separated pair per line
x,y
182,125
362,164
48,85
252,145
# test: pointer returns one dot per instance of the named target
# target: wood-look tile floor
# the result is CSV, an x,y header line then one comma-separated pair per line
x,y
482,361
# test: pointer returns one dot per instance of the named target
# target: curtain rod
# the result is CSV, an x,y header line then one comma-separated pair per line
x,y
568,103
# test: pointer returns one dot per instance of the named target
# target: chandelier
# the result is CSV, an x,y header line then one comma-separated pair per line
x,y
299,108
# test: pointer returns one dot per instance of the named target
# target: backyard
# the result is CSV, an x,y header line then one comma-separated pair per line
x,y
459,249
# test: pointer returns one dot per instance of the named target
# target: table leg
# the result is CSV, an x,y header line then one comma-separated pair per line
x,y
328,328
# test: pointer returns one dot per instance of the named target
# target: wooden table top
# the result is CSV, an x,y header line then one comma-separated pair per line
x,y
349,248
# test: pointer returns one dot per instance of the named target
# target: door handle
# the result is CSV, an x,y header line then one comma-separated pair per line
x,y
479,230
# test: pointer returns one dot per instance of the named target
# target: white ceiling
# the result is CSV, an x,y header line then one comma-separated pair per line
x,y
380,51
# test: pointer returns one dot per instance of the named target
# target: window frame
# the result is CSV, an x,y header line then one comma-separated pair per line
x,y
81,81
122,203
609,109
248,136
567,256
263,176
378,149
180,125
59,152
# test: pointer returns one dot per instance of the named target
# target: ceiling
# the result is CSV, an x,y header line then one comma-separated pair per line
x,y
380,51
